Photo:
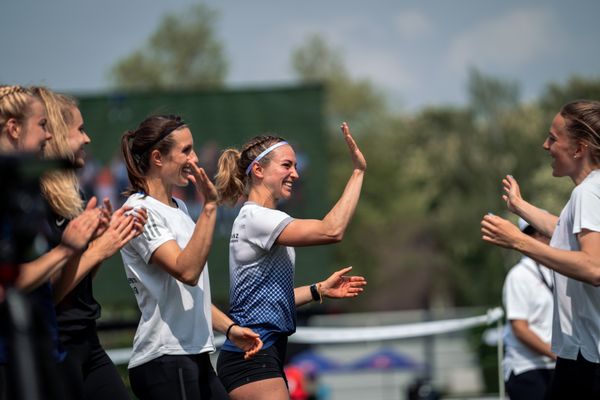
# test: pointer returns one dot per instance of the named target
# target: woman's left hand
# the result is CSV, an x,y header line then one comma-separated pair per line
x,y
357,157
125,224
501,232
245,339
203,183
339,286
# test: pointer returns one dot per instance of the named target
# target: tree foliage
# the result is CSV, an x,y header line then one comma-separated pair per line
x,y
182,53
431,178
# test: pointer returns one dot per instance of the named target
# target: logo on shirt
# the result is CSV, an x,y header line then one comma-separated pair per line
x,y
60,221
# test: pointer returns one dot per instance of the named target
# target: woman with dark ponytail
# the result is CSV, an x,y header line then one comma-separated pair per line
x,y
261,257
167,271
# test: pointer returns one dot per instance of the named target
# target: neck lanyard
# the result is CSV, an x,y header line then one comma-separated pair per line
x,y
543,278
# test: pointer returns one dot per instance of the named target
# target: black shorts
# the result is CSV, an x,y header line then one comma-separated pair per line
x,y
177,377
234,371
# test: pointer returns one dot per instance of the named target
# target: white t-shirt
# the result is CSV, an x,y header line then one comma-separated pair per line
x,y
261,274
576,326
527,297
176,318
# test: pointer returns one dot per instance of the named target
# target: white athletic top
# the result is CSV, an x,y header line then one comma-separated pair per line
x,y
176,318
527,297
576,326
262,274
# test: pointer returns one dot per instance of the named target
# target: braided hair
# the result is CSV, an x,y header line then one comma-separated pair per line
x,y
15,102
231,180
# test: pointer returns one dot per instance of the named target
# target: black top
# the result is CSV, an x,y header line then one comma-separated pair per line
x,y
79,310
41,303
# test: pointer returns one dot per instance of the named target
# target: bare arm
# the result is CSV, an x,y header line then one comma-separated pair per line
x,y
75,238
121,230
38,271
521,330
582,265
243,338
307,232
187,264
542,221
337,286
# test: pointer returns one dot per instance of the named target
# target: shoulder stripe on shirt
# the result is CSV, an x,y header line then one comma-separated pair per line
x,y
152,231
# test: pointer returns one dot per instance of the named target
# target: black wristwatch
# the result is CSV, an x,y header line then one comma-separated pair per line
x,y
316,296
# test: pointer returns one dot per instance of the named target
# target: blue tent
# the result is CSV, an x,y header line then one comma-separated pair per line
x,y
383,359
314,363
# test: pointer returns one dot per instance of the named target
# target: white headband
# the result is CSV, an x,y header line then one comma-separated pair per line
x,y
264,153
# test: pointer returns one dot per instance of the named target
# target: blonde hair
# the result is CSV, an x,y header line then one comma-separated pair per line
x,y
15,102
60,188
231,180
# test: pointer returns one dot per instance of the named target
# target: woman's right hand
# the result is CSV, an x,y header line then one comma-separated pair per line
x,y
357,157
203,183
501,232
512,195
245,339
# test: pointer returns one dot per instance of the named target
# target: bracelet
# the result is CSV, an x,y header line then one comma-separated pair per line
x,y
315,292
229,329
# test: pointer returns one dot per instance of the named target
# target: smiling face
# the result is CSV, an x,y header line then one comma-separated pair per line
x,y
562,149
175,168
280,172
34,135
77,137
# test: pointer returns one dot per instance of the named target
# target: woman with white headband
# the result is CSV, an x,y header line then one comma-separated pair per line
x,y
261,258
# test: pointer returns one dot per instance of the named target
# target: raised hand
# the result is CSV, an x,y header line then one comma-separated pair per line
x,y
245,339
339,286
203,184
512,195
357,157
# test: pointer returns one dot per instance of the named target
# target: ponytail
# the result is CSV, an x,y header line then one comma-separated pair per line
x,y
134,170
229,180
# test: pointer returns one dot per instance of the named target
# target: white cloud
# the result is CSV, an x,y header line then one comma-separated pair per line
x,y
511,40
412,24
363,58
380,66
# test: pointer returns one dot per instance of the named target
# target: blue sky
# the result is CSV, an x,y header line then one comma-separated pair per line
x,y
418,52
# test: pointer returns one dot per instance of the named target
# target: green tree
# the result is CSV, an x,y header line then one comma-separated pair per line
x,y
182,53
387,233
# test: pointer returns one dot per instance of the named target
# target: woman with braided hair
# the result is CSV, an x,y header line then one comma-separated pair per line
x,y
23,129
167,270
261,257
